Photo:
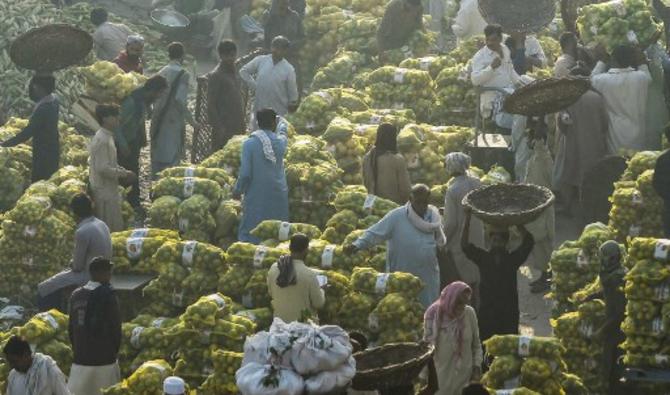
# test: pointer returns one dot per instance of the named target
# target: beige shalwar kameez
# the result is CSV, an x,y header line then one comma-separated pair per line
x,y
104,173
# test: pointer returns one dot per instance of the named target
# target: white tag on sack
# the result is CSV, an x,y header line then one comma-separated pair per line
x,y
637,198
514,382
424,63
360,129
30,231
413,161
662,292
632,37
189,172
594,30
586,330
497,176
399,75
49,319
247,314
634,231
141,232
662,249
326,96
284,231
398,106
373,322
323,280
375,119
27,260
259,255
134,247
524,346
310,125
619,7
661,359
657,326
248,300
177,298
227,168
154,365
157,323
504,392
183,224
189,186
220,302
327,256
205,337
331,148
380,284
135,336
369,202
188,252
582,259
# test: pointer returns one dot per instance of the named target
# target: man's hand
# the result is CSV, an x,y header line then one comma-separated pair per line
x,y
350,249
496,63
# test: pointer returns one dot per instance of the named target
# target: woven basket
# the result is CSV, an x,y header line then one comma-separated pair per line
x,y
169,21
51,47
546,96
518,15
509,204
389,366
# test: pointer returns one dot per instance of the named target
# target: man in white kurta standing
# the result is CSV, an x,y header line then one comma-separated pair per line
x,y
624,88
109,38
272,79
104,171
168,124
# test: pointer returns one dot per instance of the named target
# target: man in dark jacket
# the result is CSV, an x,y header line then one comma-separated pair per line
x,y
131,135
499,294
95,332
42,128
225,104
662,184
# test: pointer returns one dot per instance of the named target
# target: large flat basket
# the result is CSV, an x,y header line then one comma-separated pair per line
x,y
52,47
546,96
391,365
509,204
518,15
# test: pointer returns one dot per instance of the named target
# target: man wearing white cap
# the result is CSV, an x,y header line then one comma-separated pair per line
x,y
174,386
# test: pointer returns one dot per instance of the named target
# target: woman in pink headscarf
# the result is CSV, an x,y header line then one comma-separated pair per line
x,y
451,325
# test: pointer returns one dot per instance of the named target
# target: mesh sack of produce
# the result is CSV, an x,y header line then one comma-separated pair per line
x,y
185,187
148,378
314,113
420,44
262,317
592,237
618,22
312,212
206,310
43,327
432,64
253,256
496,175
227,219
218,175
232,283
524,346
392,87
396,313
639,163
503,369
336,286
339,71
457,97
229,157
356,199
536,372
195,220
14,180
163,212
466,49
256,293
107,82
354,311
282,231
132,253
397,117
375,283
222,380
332,257
308,149
193,255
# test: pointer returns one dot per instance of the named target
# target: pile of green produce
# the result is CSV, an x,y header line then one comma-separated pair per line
x,y
432,64
320,107
618,22
282,231
107,82
133,250
399,88
146,380
532,362
340,71
347,148
456,96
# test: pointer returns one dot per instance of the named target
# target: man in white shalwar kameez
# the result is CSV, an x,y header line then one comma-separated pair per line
x,y
624,88
272,79
32,374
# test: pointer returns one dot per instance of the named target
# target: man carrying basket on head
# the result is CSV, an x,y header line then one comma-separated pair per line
x,y
499,294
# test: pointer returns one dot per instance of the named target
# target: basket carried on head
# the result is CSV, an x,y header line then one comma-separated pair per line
x,y
390,366
507,205
50,48
546,96
528,16
169,21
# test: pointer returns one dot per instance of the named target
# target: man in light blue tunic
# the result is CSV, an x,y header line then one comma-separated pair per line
x,y
262,178
412,233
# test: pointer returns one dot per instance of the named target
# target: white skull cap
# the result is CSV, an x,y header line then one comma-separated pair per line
x,y
174,386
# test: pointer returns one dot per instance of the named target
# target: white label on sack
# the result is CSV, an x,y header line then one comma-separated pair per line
x,y
413,161
514,382
247,314
134,247
27,261
310,125
30,231
325,96
216,298
637,198
323,280
141,232
375,119
360,129
248,300
227,168
135,336
424,63
154,365
399,76
524,346
464,74
205,337
657,326
634,231
45,201
586,330
177,298
398,106
327,256
661,359
188,252
632,37
373,322
582,259
662,249
183,224
380,284
331,148
504,392
662,292
259,256
49,319
284,231
157,323
189,186
189,172
369,202
619,7
594,30
497,176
